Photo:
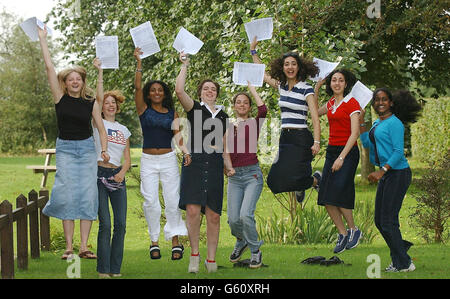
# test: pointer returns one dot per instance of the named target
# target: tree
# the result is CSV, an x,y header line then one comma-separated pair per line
x,y
27,114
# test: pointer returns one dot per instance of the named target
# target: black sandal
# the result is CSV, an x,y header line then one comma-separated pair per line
x,y
179,249
155,248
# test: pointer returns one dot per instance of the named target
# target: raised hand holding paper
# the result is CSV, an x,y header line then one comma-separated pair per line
x,y
144,38
30,25
107,50
361,93
187,42
251,72
261,28
325,68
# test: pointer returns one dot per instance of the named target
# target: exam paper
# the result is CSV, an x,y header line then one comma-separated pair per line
x,y
252,72
325,68
361,93
144,38
29,26
261,28
187,42
107,49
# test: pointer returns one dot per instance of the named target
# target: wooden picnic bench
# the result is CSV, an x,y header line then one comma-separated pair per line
x,y
46,168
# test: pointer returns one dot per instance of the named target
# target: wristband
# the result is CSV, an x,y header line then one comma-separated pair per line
x,y
340,158
139,70
315,141
102,152
362,125
253,52
384,169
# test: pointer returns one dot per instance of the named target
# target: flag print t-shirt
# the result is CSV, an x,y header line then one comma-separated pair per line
x,y
117,141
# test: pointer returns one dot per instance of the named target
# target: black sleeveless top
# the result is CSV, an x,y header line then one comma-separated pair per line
x,y
74,118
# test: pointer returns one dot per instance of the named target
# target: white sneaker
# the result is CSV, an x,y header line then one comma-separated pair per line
x,y
211,267
194,262
409,269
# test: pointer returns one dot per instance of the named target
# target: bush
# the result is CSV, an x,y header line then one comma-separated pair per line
x,y
429,135
432,211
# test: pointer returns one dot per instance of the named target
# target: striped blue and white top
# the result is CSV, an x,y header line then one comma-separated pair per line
x,y
293,105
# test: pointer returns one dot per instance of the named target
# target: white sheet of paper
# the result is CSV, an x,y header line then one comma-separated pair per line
x,y
361,93
187,42
107,49
29,26
325,68
261,28
253,72
144,38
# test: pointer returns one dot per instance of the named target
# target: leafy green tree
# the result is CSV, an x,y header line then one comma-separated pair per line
x,y
27,114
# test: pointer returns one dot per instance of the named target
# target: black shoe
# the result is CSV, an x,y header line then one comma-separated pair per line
x,y
332,261
237,253
300,196
318,175
313,260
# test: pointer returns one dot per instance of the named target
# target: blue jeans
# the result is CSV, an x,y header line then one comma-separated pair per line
x,y
110,253
244,189
391,190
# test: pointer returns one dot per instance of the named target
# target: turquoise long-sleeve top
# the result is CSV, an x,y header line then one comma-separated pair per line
x,y
389,138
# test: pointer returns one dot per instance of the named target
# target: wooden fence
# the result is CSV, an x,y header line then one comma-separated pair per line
x,y
30,221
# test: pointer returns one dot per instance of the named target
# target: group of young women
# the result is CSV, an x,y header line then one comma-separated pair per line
x,y
81,190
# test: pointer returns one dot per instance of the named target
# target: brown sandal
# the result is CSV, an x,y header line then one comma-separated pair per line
x,y
66,254
87,255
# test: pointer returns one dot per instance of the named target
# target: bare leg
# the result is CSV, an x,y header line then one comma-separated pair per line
x,y
85,229
348,215
68,227
212,232
193,226
336,217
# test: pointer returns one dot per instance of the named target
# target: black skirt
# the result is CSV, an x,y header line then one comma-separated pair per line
x,y
202,182
292,170
338,188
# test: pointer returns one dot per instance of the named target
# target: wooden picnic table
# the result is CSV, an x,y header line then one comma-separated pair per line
x,y
46,168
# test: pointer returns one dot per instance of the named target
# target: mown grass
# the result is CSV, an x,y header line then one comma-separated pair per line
x,y
283,261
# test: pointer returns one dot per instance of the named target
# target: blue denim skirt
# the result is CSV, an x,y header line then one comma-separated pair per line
x,y
74,194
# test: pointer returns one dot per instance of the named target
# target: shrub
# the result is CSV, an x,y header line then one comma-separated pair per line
x,y
432,211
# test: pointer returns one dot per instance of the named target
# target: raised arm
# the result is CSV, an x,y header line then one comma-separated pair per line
x,y
184,98
258,100
138,93
323,109
267,78
50,69
99,91
179,140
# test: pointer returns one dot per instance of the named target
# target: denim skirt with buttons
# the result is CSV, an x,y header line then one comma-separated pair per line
x,y
74,194
202,182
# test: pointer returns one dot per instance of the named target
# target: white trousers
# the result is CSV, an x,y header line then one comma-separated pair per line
x,y
164,169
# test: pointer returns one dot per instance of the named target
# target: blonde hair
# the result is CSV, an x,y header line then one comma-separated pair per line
x,y
86,92
117,95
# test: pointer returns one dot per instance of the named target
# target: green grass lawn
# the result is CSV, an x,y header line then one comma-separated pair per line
x,y
283,261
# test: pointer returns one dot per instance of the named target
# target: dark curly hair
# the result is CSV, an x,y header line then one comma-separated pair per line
x,y
350,80
167,101
405,107
305,68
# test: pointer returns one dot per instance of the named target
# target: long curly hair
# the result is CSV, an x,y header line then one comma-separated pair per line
x,y
168,99
405,106
305,68
350,80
